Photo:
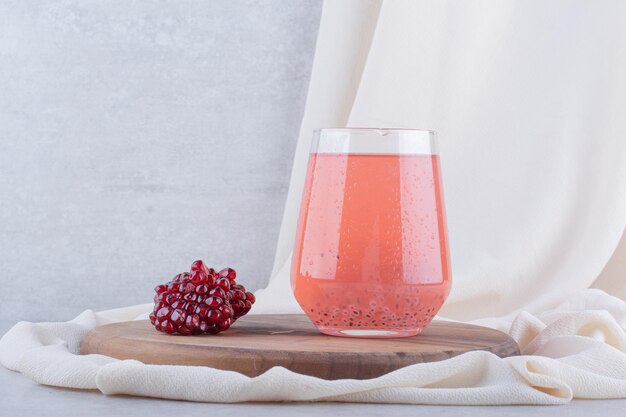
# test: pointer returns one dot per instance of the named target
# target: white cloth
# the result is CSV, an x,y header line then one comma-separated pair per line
x,y
568,349
528,99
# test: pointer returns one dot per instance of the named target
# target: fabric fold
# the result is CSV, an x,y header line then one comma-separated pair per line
x,y
568,353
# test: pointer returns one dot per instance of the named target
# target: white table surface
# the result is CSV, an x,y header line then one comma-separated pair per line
x,y
20,397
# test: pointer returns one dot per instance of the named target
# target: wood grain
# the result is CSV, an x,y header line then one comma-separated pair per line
x,y
259,342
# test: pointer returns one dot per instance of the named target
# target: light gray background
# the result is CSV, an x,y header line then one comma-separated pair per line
x,y
137,136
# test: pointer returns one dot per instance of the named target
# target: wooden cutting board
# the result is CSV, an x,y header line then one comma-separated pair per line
x,y
256,343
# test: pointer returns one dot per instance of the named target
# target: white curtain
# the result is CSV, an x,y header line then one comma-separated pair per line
x,y
528,98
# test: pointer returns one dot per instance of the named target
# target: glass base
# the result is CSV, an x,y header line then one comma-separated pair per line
x,y
369,333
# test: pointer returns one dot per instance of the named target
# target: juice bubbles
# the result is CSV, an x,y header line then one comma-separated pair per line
x,y
371,253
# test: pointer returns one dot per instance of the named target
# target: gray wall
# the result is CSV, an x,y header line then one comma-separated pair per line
x,y
137,136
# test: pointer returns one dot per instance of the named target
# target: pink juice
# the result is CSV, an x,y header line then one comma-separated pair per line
x,y
371,250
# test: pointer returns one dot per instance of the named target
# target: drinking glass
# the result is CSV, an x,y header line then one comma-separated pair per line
x,y
371,253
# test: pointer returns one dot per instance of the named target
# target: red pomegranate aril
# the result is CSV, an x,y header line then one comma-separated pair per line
x,y
210,281
190,297
224,324
163,313
168,327
237,295
152,317
170,298
186,288
203,327
193,321
250,297
228,273
190,307
213,302
198,277
199,266
218,292
178,304
223,283
202,310
178,317
202,289
183,330
160,288
225,310
237,306
213,316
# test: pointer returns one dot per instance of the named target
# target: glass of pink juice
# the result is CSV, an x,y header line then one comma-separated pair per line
x,y
371,252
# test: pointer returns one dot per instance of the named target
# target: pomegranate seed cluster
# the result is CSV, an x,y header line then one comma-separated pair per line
x,y
201,301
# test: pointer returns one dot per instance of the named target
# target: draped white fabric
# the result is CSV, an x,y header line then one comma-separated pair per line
x,y
528,98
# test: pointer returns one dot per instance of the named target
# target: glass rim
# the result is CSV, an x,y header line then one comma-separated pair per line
x,y
374,141
374,129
